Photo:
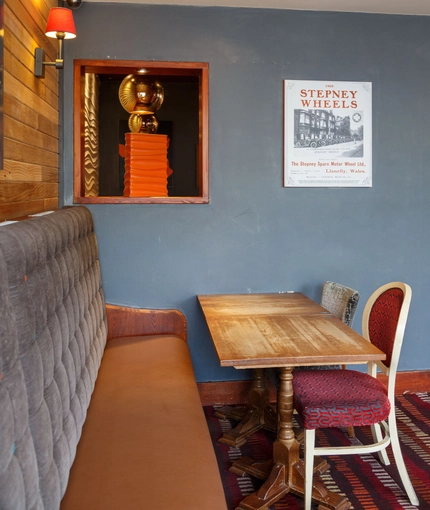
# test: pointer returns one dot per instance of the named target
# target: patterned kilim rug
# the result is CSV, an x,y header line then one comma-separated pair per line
x,y
367,484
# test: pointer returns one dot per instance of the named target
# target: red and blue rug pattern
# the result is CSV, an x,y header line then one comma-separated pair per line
x,y
367,484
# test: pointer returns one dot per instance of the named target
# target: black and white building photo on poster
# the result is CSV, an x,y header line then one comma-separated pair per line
x,y
327,134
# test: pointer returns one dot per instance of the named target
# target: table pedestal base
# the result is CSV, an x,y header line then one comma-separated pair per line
x,y
262,469
285,473
231,412
276,486
257,415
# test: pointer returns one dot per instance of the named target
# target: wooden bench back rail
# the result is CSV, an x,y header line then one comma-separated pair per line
x,y
125,321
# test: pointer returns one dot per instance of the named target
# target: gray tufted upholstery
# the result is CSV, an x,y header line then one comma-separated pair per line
x,y
341,301
52,336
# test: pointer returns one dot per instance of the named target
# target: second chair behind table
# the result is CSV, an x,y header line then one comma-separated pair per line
x,y
339,300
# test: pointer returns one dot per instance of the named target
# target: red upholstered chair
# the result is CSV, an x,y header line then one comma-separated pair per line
x,y
343,398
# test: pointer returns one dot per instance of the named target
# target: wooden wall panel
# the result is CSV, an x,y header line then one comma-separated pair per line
x,y
29,177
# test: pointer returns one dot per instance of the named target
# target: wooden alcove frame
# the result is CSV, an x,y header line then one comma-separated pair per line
x,y
125,67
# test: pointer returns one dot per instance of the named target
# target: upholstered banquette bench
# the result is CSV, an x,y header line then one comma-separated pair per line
x,y
99,407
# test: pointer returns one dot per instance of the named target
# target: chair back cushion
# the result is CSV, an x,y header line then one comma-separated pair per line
x,y
383,320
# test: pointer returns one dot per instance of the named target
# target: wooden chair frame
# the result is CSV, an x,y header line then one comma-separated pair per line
x,y
381,441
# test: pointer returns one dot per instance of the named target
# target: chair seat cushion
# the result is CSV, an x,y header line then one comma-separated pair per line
x,y
339,398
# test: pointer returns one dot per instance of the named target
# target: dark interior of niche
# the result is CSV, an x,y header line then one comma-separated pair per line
x,y
178,118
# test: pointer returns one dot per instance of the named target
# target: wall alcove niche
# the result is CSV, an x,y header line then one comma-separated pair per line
x,y
100,124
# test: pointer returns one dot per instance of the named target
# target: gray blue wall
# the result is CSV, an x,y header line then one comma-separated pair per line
x,y
255,235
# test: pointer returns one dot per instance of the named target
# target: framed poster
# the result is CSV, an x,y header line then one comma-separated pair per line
x,y
327,134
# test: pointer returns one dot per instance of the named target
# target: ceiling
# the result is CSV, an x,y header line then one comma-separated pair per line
x,y
411,7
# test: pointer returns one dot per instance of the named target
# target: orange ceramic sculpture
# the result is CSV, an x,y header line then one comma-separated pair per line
x,y
146,165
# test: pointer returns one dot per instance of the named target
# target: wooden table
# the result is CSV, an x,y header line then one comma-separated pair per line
x,y
281,330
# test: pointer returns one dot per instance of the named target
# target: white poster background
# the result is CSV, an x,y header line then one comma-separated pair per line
x,y
327,134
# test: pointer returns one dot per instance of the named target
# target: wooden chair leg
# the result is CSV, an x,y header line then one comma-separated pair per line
x,y
400,463
309,466
351,431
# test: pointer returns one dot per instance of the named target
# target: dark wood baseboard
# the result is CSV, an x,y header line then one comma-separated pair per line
x,y
236,392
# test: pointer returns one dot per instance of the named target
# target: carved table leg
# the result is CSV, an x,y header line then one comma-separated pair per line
x,y
258,414
287,469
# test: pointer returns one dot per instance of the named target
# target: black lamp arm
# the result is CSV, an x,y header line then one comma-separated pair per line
x,y
39,55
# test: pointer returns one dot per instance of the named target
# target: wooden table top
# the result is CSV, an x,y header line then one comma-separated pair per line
x,y
275,330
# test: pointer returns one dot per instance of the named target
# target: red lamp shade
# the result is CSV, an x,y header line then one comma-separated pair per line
x,y
60,19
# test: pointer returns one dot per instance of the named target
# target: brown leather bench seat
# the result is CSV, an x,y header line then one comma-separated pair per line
x,y
145,442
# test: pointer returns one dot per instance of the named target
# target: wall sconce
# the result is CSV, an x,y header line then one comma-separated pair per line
x,y
60,25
